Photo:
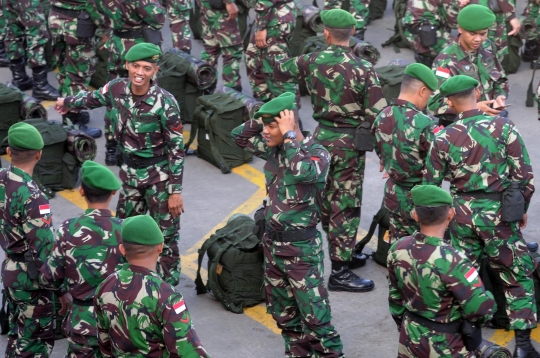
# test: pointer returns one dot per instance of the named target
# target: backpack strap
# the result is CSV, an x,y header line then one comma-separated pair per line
x,y
376,219
200,287
529,102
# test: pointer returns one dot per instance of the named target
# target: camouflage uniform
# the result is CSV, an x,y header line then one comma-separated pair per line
x,y
135,295
26,225
178,13
340,102
483,65
278,18
358,8
221,37
296,295
431,279
85,254
149,128
403,135
485,153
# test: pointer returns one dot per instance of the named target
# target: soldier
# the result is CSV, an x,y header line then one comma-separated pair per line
x,y
360,11
295,171
131,23
178,14
146,123
345,93
85,254
26,36
403,135
221,36
433,287
274,25
472,54
4,61
482,156
27,238
427,26
136,294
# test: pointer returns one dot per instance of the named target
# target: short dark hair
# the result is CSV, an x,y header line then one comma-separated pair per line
x,y
22,156
462,95
94,195
409,83
137,249
431,215
339,34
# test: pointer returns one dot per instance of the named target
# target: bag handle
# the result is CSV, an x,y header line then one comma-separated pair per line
x,y
366,239
529,102
195,125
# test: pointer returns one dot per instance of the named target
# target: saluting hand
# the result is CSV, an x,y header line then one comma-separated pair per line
x,y
176,205
285,121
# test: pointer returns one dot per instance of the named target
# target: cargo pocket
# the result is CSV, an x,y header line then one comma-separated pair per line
x,y
144,125
315,309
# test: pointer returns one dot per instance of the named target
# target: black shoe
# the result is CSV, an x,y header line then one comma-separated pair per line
x,y
110,154
76,118
359,34
42,89
532,246
343,279
20,78
358,260
4,61
524,347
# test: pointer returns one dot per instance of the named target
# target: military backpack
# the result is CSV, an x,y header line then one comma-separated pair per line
x,y
10,104
512,60
382,220
390,78
398,39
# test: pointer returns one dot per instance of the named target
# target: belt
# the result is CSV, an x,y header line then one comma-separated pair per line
x,y
339,129
140,162
16,257
68,12
293,235
406,185
480,194
451,328
129,34
86,303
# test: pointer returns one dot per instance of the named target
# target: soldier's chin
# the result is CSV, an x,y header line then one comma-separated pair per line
x,y
271,143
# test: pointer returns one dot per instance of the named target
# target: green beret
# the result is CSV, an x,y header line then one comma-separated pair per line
x,y
143,52
271,109
337,18
422,73
141,229
99,177
24,136
475,17
430,195
458,84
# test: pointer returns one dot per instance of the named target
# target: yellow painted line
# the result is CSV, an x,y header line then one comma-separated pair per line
x,y
47,104
259,314
502,337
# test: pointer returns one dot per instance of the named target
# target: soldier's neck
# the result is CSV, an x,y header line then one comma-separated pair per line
x,y
98,206
28,168
138,91
148,262
435,231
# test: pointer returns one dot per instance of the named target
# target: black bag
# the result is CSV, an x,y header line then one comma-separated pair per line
x,y
427,34
376,9
382,220
512,203
363,139
217,4
86,28
151,35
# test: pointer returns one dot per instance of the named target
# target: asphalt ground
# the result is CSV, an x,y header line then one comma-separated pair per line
x,y
362,319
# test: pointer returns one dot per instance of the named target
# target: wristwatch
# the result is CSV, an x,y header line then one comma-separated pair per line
x,y
289,135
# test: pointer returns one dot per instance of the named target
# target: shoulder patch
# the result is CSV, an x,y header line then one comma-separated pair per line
x,y
442,72
179,307
471,275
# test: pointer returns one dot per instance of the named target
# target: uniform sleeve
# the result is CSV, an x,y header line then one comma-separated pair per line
x,y
435,167
103,326
519,164
90,100
502,86
175,144
248,136
179,335
306,166
53,271
289,70
397,310
152,13
426,138
508,7
38,228
374,100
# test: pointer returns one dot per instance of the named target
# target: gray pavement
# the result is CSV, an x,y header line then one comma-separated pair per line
x,y
362,319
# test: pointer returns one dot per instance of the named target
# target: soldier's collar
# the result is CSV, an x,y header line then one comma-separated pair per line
x,y
18,171
430,240
404,103
151,90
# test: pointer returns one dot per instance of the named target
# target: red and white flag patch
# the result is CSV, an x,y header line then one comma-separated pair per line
x,y
437,129
442,72
471,275
105,88
44,209
179,307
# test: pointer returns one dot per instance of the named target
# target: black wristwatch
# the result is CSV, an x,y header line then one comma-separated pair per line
x,y
289,135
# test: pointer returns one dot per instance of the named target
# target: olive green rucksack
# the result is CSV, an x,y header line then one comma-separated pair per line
x,y
376,9
398,39
512,60
382,220
235,265
390,78
10,104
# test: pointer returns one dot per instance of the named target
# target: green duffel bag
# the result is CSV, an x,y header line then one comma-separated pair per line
x,y
512,60
376,9
10,106
390,78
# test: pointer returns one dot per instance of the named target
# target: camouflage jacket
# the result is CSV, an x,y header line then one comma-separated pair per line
x,y
441,13
508,8
25,224
344,90
295,177
140,315
150,127
479,152
483,65
427,276
269,13
85,253
402,135
134,14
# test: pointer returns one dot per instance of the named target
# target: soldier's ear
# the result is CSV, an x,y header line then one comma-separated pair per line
x,y
38,155
122,249
8,151
81,191
414,215
451,214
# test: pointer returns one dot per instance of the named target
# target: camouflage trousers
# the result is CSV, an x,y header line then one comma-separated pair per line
x,y
81,331
342,200
153,199
178,14
498,34
443,38
417,341
358,8
222,37
260,63
398,200
508,256
297,298
73,56
26,31
31,328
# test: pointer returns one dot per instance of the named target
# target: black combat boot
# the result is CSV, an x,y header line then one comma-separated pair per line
x,y
110,155
4,61
359,34
80,120
343,279
42,89
20,78
524,347
530,51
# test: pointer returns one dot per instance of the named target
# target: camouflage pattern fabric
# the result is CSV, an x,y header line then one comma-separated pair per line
x,y
221,37
133,295
358,8
340,102
430,278
279,20
439,13
26,224
296,295
178,14
140,138
484,65
403,135
84,254
26,31
494,157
